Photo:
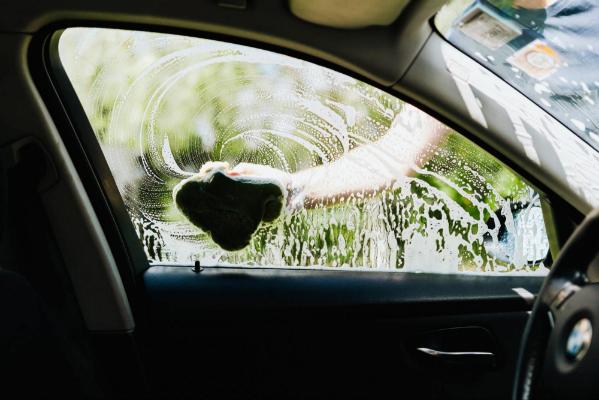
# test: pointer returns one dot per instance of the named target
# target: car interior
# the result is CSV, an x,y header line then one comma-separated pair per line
x,y
85,312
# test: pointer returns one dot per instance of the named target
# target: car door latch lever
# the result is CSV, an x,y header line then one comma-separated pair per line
x,y
463,358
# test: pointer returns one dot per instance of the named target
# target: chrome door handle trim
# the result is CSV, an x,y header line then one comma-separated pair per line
x,y
438,353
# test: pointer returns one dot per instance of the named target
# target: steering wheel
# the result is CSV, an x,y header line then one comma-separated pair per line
x,y
559,357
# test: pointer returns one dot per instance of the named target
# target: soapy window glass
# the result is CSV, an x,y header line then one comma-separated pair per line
x,y
368,182
546,49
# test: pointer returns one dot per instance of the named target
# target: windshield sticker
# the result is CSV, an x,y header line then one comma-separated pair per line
x,y
486,29
538,60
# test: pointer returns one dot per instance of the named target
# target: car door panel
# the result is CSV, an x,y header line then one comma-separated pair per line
x,y
315,334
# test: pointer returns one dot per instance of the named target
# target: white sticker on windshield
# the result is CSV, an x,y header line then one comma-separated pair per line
x,y
537,59
486,29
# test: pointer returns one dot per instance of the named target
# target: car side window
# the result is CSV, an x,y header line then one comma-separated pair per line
x,y
356,179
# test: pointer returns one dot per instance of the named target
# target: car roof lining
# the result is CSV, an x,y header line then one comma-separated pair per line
x,y
348,14
380,53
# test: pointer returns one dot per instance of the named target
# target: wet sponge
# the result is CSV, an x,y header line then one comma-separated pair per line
x,y
229,208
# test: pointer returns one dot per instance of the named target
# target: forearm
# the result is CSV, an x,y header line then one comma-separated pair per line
x,y
372,168
533,4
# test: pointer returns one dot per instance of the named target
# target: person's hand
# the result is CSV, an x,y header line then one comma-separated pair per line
x,y
291,184
260,170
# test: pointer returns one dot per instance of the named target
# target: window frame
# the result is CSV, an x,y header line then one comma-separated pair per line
x,y
99,183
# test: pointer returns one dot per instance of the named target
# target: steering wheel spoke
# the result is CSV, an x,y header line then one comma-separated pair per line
x,y
558,357
561,290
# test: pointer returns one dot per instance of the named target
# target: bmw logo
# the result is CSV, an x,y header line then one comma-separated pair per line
x,y
579,340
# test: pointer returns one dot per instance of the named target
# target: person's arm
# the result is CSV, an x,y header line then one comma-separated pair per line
x,y
363,171
533,4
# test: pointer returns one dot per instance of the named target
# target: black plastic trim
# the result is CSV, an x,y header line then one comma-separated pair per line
x,y
178,295
88,160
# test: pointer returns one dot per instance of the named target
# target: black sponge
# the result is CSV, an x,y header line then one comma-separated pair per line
x,y
230,209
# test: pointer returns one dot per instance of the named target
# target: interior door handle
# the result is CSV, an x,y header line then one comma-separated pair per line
x,y
463,358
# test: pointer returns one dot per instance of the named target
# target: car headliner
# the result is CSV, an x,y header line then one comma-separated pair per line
x,y
380,53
